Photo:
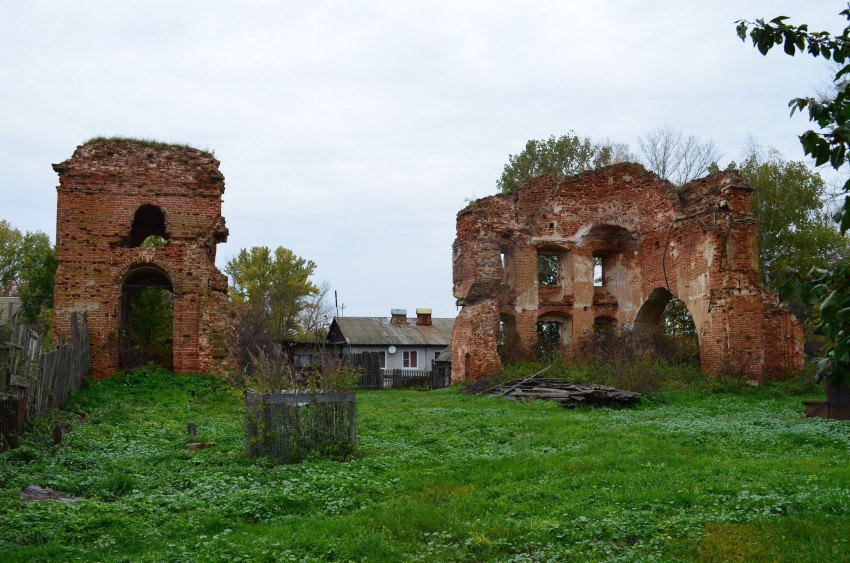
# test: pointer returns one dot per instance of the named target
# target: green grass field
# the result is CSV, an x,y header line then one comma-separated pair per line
x,y
437,476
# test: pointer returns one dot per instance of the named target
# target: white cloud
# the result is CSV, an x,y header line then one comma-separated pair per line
x,y
351,132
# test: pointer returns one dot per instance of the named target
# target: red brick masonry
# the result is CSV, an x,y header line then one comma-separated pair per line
x,y
697,243
101,189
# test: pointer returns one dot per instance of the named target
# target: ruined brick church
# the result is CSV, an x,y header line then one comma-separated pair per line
x,y
113,195
617,243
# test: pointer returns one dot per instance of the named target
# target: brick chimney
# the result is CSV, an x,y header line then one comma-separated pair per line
x,y
399,317
423,317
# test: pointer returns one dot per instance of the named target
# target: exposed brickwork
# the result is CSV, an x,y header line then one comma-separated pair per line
x,y
699,242
101,188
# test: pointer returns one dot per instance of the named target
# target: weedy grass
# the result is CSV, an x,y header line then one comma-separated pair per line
x,y
706,473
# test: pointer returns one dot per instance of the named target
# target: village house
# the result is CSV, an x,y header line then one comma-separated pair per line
x,y
401,343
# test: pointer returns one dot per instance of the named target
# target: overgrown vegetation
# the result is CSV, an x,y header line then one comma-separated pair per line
x,y
148,144
827,288
738,474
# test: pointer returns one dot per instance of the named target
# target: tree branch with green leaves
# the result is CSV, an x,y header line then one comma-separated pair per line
x,y
829,289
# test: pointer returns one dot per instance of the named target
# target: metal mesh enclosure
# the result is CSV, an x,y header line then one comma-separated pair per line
x,y
290,426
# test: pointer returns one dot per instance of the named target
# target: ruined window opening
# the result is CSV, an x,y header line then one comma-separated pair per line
x,y
148,221
506,345
548,338
507,261
153,241
547,269
410,360
598,270
382,360
604,325
503,336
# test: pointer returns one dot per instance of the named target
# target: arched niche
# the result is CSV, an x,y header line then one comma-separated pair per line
x,y
148,221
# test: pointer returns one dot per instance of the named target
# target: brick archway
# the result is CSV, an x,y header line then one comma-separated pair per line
x,y
113,195
133,349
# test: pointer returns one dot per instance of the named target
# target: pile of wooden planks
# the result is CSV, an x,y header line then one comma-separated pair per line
x,y
569,395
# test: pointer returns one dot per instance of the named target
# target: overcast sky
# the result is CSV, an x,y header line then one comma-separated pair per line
x,y
353,131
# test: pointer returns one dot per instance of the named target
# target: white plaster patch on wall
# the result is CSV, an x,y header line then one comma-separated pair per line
x,y
84,306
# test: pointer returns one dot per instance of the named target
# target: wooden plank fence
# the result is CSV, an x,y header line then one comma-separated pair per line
x,y
373,377
32,381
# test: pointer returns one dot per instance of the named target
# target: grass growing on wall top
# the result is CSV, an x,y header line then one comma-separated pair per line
x,y
147,143
438,476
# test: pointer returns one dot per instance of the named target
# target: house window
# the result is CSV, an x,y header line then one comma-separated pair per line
x,y
409,359
382,359
303,360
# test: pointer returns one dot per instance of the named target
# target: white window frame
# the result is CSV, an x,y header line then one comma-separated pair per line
x,y
406,357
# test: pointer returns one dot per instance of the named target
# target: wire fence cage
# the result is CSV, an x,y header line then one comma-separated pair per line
x,y
291,426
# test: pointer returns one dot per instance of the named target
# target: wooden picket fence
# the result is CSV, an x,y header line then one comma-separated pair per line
x,y
373,377
33,381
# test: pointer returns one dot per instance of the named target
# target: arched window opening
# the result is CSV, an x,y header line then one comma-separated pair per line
x,y
554,335
148,222
147,319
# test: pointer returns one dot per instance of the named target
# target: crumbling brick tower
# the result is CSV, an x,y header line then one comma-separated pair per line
x,y
112,195
620,243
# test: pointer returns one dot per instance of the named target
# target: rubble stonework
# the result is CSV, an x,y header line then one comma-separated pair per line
x,y
114,193
655,241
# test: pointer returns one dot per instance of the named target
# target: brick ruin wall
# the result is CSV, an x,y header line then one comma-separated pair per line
x,y
101,189
696,243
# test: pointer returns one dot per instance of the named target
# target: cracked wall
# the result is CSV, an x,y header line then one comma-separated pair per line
x,y
653,241
111,195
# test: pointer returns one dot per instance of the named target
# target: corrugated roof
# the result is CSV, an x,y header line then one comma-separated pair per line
x,y
377,331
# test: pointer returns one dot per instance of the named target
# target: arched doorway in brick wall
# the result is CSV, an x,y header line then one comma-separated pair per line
x,y
666,321
554,335
147,318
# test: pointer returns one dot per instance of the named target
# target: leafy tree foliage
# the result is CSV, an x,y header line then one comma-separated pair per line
x,y
27,270
828,288
794,230
275,284
677,320
676,157
559,156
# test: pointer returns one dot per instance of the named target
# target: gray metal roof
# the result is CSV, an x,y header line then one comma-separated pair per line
x,y
377,331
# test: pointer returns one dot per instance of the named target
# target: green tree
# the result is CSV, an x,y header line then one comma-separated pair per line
x,y
828,288
275,284
794,230
27,270
10,242
559,156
